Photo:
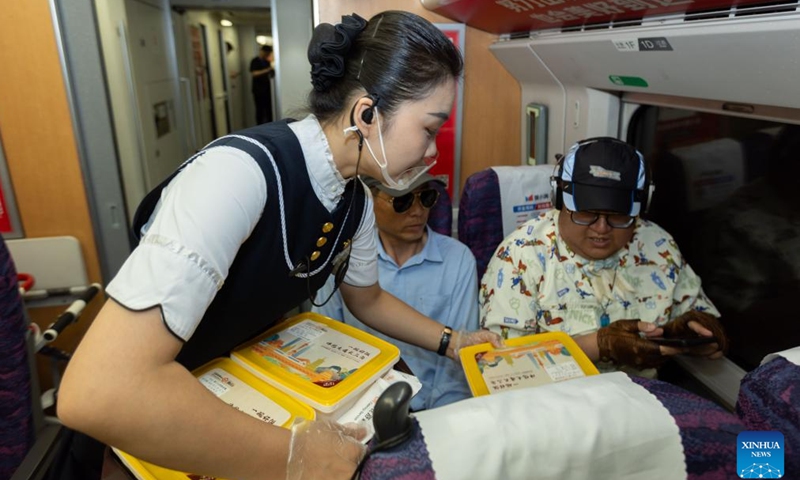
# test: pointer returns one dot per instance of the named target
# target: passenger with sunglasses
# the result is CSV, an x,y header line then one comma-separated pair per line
x,y
431,272
245,231
593,268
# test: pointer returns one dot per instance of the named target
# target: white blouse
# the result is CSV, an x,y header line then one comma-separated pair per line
x,y
206,213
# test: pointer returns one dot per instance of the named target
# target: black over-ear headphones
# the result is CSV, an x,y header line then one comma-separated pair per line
x,y
556,198
557,186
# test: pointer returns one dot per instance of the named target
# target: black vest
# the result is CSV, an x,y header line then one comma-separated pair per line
x,y
260,287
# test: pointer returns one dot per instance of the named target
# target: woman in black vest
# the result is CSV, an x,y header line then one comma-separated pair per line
x,y
246,230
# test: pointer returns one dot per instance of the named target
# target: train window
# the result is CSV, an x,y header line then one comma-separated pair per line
x,y
728,190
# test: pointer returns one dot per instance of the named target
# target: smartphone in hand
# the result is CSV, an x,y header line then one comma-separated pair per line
x,y
683,341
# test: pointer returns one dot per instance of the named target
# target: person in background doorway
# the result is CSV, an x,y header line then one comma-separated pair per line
x,y
433,273
262,72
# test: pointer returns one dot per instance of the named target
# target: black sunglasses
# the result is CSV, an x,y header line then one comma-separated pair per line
x,y
427,198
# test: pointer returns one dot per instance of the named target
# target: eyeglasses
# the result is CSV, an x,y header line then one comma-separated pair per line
x,y
427,198
614,220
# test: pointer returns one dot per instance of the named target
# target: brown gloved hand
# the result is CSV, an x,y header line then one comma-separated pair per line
x,y
323,449
693,324
622,343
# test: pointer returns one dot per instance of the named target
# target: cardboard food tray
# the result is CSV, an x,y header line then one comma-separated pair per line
x,y
322,362
243,391
528,361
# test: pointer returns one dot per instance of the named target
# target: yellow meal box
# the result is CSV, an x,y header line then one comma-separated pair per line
x,y
525,362
243,391
322,362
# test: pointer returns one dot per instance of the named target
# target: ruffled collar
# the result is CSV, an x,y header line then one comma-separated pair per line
x,y
328,183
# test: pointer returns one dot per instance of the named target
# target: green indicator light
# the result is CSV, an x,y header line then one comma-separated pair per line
x,y
628,81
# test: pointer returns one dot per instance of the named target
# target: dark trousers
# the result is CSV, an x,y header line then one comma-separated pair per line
x,y
77,457
263,107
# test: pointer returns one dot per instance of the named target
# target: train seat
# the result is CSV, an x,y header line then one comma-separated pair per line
x,y
606,426
497,200
16,405
769,399
440,218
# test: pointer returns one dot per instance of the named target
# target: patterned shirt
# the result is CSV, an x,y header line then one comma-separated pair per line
x,y
536,283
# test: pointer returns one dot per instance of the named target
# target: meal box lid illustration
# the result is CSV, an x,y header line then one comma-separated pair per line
x,y
325,363
243,391
526,362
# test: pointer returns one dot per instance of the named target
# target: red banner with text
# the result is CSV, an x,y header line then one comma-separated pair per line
x,y
509,16
446,140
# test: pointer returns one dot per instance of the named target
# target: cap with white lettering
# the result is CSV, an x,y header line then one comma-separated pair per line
x,y
603,174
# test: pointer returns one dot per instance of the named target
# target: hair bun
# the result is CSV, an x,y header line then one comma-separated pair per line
x,y
329,46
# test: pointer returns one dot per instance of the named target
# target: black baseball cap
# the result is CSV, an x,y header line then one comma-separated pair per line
x,y
604,174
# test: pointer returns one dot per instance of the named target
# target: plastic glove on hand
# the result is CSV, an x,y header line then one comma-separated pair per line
x,y
323,450
622,343
696,323
464,338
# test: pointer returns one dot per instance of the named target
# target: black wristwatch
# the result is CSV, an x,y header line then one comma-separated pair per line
x,y
444,342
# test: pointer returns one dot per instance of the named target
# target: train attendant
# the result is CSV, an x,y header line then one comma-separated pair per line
x,y
245,231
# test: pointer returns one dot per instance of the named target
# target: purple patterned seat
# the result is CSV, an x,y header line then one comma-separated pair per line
x,y
440,218
769,399
708,431
480,221
408,461
708,436
16,433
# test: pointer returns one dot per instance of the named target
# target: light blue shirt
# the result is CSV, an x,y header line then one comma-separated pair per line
x,y
441,283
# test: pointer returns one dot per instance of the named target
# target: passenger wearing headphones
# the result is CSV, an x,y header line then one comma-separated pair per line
x,y
594,269
245,231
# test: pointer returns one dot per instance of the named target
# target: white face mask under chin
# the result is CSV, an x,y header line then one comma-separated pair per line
x,y
406,177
